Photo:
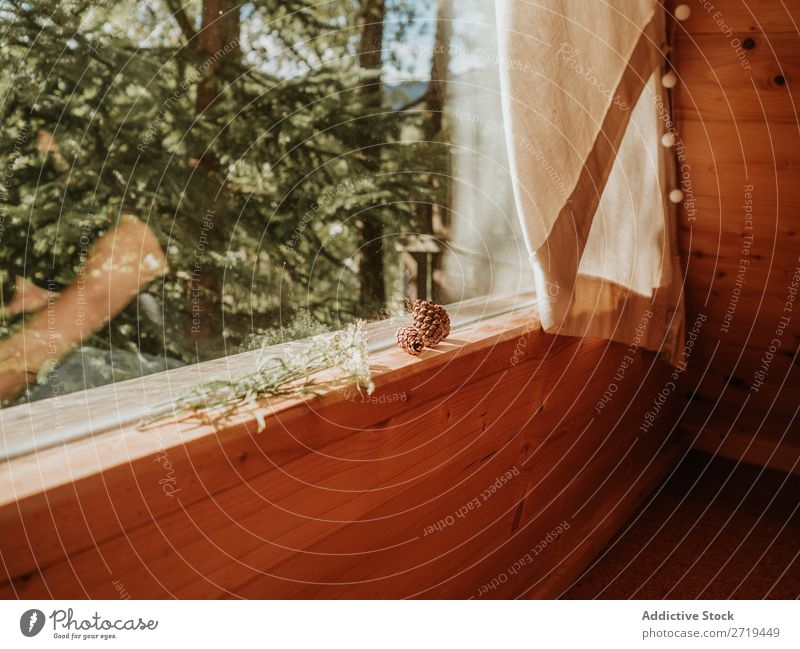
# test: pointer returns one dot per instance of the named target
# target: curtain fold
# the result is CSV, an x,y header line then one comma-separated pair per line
x,y
584,112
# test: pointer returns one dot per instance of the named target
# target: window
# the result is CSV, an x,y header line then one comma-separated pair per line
x,y
259,173
297,166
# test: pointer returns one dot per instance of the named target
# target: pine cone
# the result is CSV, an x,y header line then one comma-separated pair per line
x,y
432,322
445,322
409,339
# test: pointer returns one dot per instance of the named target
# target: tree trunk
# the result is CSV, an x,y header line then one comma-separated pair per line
x,y
440,67
220,29
216,42
434,103
372,291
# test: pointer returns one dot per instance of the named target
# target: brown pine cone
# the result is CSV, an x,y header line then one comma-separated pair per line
x,y
445,322
409,339
432,322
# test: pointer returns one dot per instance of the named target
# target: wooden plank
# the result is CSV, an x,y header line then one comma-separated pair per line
x,y
754,436
728,164
736,114
732,359
742,332
727,221
717,281
730,245
716,84
710,143
723,184
744,17
732,388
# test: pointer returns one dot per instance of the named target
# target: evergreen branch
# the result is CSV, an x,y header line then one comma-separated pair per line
x,y
346,352
411,104
182,19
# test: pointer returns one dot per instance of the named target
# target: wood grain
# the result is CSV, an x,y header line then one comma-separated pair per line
x,y
744,17
338,498
738,123
715,84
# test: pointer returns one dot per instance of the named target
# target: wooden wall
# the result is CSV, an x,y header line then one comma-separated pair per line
x,y
736,107
493,476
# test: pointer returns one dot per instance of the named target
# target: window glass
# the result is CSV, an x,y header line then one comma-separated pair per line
x,y
179,184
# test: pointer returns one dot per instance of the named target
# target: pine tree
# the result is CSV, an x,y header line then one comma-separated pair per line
x,y
239,137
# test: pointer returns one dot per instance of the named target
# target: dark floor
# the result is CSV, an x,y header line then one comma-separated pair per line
x,y
715,530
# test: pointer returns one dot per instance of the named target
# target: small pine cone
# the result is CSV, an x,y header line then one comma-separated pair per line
x,y
445,322
432,321
409,339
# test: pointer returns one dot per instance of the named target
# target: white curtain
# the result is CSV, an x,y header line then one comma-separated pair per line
x,y
584,112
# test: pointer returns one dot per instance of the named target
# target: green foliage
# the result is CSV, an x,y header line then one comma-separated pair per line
x,y
258,200
344,353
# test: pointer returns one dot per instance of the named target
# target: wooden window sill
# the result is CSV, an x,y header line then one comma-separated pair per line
x,y
336,496
87,433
